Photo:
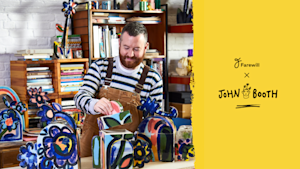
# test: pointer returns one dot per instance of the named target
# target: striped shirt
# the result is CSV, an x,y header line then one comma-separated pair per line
x,y
122,79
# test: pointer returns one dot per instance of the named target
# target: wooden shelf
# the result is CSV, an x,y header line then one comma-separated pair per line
x,y
181,28
18,72
126,11
158,57
50,61
72,60
179,80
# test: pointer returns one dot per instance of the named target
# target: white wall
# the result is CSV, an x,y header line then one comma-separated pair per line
x,y
29,24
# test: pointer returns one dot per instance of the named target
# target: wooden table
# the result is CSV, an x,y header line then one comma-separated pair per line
x,y
86,163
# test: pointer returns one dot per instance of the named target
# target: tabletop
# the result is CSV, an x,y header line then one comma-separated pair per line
x,y
86,163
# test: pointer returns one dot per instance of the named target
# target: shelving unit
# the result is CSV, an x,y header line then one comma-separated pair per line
x,y
18,76
179,80
181,28
157,34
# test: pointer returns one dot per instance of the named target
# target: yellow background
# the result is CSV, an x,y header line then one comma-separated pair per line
x,y
265,32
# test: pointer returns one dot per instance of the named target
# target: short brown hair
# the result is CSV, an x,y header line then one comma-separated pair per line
x,y
135,29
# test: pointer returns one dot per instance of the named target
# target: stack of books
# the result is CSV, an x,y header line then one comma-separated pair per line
x,y
69,107
111,18
151,53
71,77
40,77
145,20
34,54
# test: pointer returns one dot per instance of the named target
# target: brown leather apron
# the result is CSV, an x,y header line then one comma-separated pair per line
x,y
129,100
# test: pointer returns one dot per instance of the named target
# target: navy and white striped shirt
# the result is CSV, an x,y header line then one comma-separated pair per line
x,y
122,79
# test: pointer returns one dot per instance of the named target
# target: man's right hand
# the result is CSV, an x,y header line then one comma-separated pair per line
x,y
103,106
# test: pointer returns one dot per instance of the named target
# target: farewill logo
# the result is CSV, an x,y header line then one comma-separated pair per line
x,y
238,63
247,93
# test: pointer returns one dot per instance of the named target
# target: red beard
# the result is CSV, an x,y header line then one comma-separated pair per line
x,y
132,63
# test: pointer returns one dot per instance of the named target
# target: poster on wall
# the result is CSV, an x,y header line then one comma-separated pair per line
x,y
246,84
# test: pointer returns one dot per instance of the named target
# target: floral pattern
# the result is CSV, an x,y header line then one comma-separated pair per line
x,y
60,146
142,153
38,96
9,120
46,113
28,156
149,107
185,149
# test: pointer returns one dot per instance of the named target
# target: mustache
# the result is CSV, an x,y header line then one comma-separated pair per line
x,y
131,57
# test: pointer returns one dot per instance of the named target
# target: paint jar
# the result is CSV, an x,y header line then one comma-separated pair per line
x,y
106,5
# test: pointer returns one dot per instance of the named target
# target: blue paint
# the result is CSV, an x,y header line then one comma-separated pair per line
x,y
96,147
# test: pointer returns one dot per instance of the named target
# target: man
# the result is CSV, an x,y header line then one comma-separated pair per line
x,y
128,79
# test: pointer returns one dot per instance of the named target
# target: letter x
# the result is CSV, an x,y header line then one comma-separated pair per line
x,y
247,75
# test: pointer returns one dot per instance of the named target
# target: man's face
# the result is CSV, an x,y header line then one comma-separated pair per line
x,y
132,50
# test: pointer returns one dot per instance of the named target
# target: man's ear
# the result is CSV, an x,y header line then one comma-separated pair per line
x,y
146,46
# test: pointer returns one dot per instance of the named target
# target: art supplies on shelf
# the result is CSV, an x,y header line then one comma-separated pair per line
x,y
73,43
71,77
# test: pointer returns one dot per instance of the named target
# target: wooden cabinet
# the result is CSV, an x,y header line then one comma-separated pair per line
x,y
18,74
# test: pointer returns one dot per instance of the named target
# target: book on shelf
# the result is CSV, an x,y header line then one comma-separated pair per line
x,y
72,65
39,83
43,86
33,57
69,107
151,55
67,80
71,77
36,68
67,102
145,20
71,68
69,89
35,51
72,83
41,72
39,80
72,73
106,42
96,41
38,76
116,22
100,14
151,18
148,22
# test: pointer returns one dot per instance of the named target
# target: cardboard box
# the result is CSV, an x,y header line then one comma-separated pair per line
x,y
184,110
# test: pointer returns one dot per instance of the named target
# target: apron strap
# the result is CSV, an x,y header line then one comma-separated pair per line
x,y
139,86
109,71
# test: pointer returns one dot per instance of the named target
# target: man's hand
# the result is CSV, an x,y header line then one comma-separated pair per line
x,y
103,106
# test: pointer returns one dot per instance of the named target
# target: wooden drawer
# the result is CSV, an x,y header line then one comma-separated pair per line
x,y
8,154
